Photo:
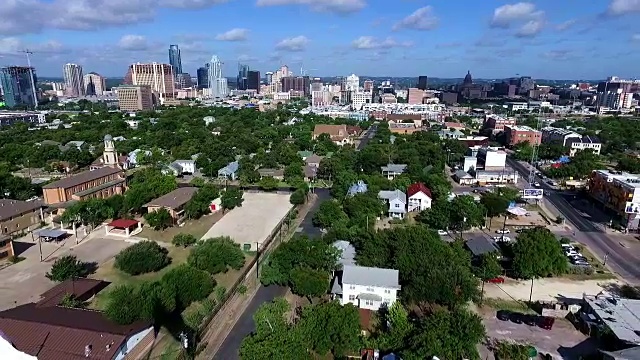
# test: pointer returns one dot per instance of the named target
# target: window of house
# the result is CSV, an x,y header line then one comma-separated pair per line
x,y
352,297
352,287
368,302
387,291
370,289
397,205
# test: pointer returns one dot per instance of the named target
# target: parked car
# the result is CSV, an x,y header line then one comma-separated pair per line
x,y
546,322
531,320
502,238
536,184
516,318
503,315
503,231
442,232
496,280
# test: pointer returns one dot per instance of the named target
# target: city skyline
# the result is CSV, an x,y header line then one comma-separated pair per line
x,y
545,39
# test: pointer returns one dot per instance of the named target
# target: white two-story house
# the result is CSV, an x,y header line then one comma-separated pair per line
x,y
366,287
397,202
419,197
391,171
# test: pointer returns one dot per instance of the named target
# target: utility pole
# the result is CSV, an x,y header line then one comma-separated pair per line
x,y
33,83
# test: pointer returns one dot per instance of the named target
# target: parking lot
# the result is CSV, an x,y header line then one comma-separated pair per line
x,y
561,341
252,223
25,281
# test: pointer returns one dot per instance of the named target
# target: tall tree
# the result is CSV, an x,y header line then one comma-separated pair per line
x,y
231,198
331,327
309,283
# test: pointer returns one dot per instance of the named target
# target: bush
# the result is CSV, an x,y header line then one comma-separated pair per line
x,y
67,267
184,240
125,305
142,258
159,220
195,314
189,284
150,301
217,255
581,270
297,197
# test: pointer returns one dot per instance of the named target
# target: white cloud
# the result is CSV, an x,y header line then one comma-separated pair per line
x,y
14,46
635,37
566,25
421,19
370,42
623,7
33,16
507,15
236,34
298,43
530,29
246,58
332,6
559,54
133,42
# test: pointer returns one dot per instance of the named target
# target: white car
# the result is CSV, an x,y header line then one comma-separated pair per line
x,y
501,231
502,238
536,184
442,232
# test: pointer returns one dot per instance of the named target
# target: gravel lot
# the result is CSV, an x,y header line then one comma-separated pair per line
x,y
546,289
254,220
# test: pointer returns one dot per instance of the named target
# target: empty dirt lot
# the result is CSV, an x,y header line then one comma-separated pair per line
x,y
254,220
546,289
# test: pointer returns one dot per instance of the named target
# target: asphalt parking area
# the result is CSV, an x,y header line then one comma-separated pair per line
x,y
563,341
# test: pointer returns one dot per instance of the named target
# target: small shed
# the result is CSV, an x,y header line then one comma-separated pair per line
x,y
123,227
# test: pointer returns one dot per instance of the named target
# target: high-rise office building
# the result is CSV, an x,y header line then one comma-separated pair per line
x,y
253,80
94,84
203,77
423,82
368,85
352,82
73,80
135,97
217,84
268,77
175,60
243,77
18,86
183,81
615,93
158,76
296,83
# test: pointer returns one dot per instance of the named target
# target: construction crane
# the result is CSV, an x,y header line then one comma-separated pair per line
x,y
33,83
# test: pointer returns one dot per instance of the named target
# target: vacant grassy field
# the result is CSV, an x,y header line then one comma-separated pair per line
x,y
109,273
196,228
502,304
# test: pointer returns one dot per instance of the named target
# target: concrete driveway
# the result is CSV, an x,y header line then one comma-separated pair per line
x,y
25,281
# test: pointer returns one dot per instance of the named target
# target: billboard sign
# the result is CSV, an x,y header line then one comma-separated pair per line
x,y
532,194
632,208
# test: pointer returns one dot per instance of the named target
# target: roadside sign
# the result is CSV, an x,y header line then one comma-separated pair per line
x,y
532,194
632,208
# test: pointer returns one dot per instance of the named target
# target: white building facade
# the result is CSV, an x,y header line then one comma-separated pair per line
x,y
369,288
217,83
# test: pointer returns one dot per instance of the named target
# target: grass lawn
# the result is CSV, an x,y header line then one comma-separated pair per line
x,y
511,305
196,228
109,273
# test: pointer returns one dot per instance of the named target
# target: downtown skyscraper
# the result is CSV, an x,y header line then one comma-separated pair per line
x,y
217,84
175,60
73,80
18,85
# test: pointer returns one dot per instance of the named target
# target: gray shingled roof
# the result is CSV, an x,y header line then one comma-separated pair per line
x,y
480,245
370,276
396,168
347,252
393,195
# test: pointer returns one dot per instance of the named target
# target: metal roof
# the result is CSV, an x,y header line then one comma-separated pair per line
x,y
11,208
620,315
83,177
370,276
480,245
51,233
174,199
396,168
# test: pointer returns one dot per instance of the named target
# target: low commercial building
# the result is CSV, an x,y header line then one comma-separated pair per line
x,y
618,191
100,183
490,158
135,97
8,118
516,134
504,176
19,216
174,202
403,128
584,143
338,133
552,135
497,123
608,313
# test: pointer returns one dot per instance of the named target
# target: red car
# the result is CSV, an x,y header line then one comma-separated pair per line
x,y
498,280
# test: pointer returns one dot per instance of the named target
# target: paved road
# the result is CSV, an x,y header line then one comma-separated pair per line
x,y
620,259
371,132
245,326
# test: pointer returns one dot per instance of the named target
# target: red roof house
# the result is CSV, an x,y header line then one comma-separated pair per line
x,y
419,197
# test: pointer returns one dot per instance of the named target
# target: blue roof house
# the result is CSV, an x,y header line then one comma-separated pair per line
x,y
358,188
229,172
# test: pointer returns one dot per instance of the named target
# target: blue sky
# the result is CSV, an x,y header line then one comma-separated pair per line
x,y
561,39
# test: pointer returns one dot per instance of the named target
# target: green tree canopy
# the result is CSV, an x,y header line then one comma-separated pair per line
x,y
67,267
309,282
217,255
159,219
231,198
537,253
329,214
142,258
331,327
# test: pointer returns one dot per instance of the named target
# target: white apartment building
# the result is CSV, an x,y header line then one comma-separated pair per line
x,y
515,106
616,100
282,96
359,98
155,75
94,84
352,83
73,80
366,287
583,143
